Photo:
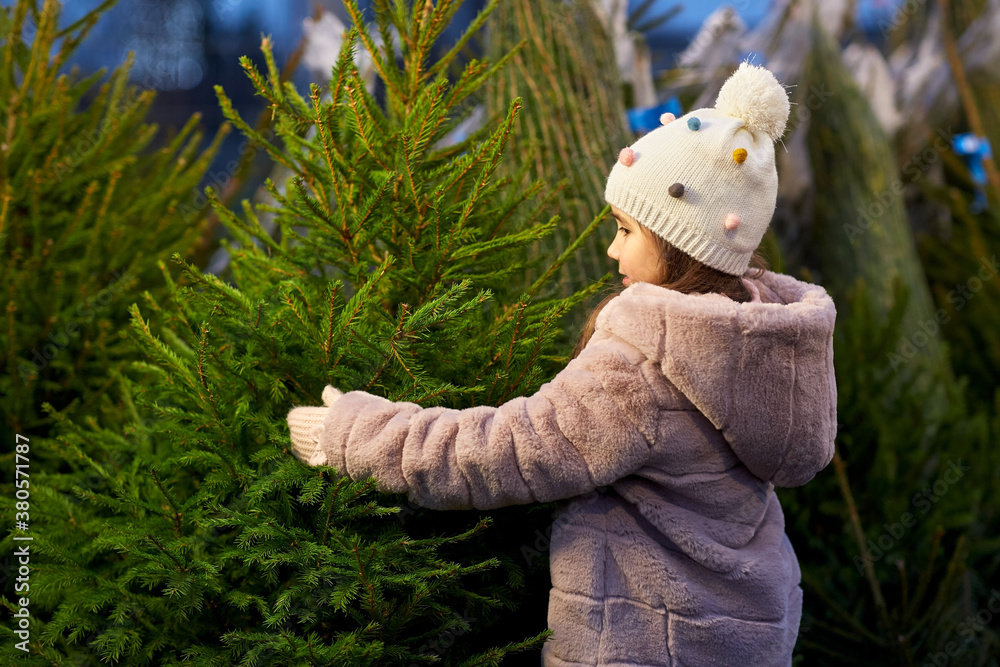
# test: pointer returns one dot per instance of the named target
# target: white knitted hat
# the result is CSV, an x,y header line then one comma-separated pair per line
x,y
706,182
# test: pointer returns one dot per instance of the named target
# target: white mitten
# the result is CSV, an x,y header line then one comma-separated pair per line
x,y
305,425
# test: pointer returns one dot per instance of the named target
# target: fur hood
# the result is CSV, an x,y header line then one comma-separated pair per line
x,y
761,372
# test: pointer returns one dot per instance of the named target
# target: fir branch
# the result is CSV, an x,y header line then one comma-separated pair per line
x,y
334,493
529,362
305,320
925,578
440,159
273,75
478,72
362,119
243,233
330,152
841,470
474,27
466,83
334,290
344,65
356,548
954,571
84,24
214,285
570,251
434,111
176,518
386,356
516,203
5,198
157,349
159,546
407,148
362,225
355,305
316,211
494,656
837,609
361,31
509,241
208,397
233,116
80,211
435,18
513,337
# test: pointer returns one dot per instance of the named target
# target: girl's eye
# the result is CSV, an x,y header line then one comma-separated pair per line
x,y
622,229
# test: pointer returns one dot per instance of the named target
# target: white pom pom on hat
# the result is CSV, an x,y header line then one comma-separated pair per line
x,y
753,94
708,184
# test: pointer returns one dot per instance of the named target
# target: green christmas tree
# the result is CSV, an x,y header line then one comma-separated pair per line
x,y
87,189
90,196
389,272
574,119
893,538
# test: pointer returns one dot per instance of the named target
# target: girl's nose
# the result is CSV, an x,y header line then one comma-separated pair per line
x,y
612,253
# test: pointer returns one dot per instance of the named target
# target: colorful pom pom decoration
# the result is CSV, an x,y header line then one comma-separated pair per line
x,y
694,123
732,221
626,157
667,118
739,155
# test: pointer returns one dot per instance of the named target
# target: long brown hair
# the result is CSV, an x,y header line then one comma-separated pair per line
x,y
682,273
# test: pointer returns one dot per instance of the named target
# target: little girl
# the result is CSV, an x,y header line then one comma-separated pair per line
x,y
693,393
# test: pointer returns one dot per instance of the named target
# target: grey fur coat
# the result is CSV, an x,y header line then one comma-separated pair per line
x,y
690,409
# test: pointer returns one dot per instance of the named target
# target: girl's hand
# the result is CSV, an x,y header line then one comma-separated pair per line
x,y
305,425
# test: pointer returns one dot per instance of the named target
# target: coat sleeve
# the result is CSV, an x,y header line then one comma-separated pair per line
x,y
592,424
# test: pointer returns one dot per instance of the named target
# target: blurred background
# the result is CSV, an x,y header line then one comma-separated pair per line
x,y
183,48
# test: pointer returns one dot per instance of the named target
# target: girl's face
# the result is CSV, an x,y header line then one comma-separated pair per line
x,y
634,251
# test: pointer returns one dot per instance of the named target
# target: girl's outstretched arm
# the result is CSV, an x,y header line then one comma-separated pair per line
x,y
591,425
